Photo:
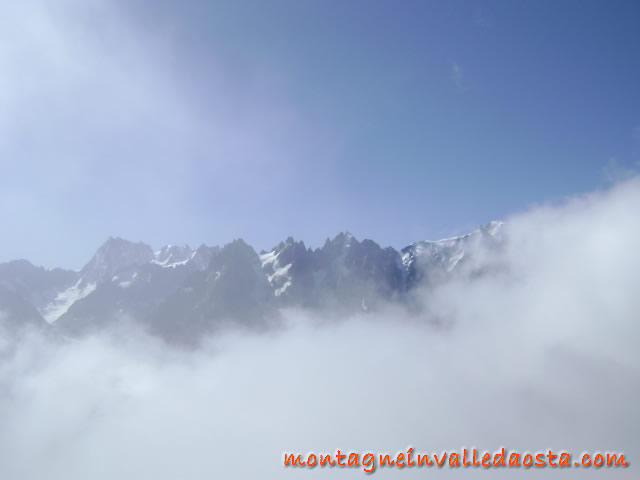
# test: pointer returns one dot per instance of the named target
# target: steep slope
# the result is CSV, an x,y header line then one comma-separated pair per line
x,y
181,293
289,269
36,285
114,255
343,273
356,274
429,262
16,313
129,283
232,290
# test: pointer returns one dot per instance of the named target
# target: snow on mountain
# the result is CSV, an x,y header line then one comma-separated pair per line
x,y
61,303
36,285
276,265
201,257
233,288
122,263
113,255
171,256
344,272
428,260
210,285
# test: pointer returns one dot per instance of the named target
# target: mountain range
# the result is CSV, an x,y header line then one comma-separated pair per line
x,y
181,293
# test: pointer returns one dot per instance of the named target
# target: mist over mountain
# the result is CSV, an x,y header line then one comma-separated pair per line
x,y
231,125
521,335
181,293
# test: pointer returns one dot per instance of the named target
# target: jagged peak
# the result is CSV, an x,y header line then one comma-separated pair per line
x,y
492,228
171,247
113,254
237,242
20,262
113,242
290,242
343,239
237,245
173,255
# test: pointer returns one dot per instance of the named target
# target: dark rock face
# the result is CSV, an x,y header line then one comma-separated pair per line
x,y
181,294
233,289
132,294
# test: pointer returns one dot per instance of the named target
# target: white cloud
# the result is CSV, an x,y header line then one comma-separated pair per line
x,y
541,353
614,171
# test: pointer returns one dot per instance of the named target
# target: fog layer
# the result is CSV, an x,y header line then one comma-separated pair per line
x,y
539,351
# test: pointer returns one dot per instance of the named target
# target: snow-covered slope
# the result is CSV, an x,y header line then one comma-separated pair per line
x,y
208,285
115,254
430,260
64,299
126,265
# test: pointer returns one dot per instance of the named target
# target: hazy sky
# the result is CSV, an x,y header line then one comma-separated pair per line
x,y
205,121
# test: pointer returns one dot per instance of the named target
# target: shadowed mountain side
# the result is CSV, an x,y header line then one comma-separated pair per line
x,y
233,289
16,313
343,274
132,294
182,293
36,285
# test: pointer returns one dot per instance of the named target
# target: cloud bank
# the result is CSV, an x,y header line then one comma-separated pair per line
x,y
540,352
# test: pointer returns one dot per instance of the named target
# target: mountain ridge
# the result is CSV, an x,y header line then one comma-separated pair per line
x,y
181,292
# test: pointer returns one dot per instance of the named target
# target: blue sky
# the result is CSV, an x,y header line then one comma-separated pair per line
x,y
206,121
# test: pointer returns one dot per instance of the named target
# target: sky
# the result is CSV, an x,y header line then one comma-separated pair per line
x,y
201,122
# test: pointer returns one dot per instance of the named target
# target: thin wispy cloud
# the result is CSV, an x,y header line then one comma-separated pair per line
x,y
617,171
457,74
